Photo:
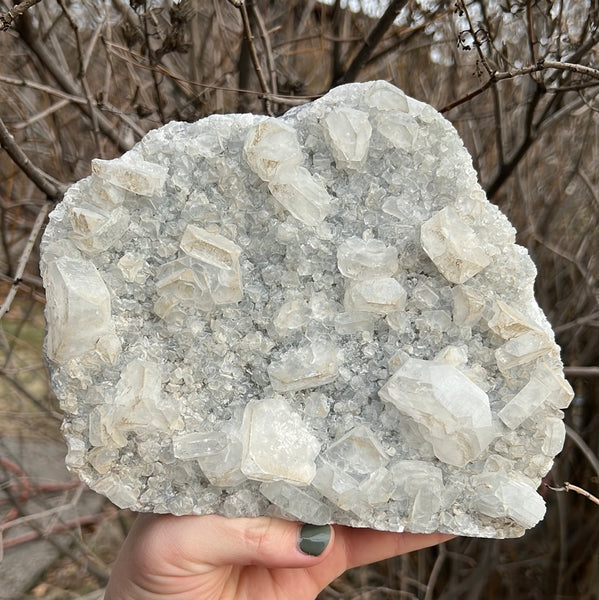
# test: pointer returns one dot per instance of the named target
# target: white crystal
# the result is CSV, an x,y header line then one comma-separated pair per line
x,y
453,246
295,502
138,400
378,487
508,322
78,309
554,436
356,491
306,367
302,195
542,388
454,414
423,296
371,259
456,356
354,322
380,296
468,305
272,145
294,314
385,97
523,349
199,444
399,128
96,231
181,286
349,131
123,489
561,391
142,178
496,495
133,267
421,484
358,453
223,468
219,260
316,405
103,459
332,483
107,195
276,445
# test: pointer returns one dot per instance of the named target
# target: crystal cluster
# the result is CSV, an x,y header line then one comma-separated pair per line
x,y
319,317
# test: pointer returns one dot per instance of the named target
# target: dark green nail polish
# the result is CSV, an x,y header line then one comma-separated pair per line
x,y
314,539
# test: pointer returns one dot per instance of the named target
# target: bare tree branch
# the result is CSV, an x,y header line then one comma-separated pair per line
x,y
265,37
581,371
584,448
48,185
249,37
24,259
370,43
16,11
81,74
567,66
541,65
570,487
29,36
495,76
135,59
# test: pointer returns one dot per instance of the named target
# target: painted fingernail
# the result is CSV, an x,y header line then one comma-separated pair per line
x,y
314,539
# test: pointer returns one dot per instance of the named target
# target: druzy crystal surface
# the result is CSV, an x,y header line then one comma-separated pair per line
x,y
318,316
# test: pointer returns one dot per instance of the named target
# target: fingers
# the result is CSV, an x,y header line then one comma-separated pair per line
x,y
198,543
362,546
193,544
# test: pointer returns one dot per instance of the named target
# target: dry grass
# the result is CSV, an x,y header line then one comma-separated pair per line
x,y
78,80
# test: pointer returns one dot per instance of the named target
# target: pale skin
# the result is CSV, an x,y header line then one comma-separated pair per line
x,y
215,558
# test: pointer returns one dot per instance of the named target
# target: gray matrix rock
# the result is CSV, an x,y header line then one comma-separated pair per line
x,y
319,317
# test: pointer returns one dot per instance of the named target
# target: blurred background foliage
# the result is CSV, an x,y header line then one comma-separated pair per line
x,y
518,78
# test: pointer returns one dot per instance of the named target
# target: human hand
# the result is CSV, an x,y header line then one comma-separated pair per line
x,y
215,558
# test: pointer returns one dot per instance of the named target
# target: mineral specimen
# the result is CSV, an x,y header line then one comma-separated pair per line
x,y
319,317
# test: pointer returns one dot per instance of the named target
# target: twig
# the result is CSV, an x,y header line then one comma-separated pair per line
x,y
541,65
79,488
48,185
134,58
498,112
16,11
57,528
270,59
583,447
7,376
82,73
24,259
108,107
582,371
371,41
495,76
249,37
31,39
461,6
531,35
432,580
592,189
570,487
42,115
568,66
337,22
35,85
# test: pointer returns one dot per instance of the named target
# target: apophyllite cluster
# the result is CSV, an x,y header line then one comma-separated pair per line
x,y
318,316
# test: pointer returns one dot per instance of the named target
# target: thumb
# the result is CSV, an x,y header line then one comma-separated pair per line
x,y
213,541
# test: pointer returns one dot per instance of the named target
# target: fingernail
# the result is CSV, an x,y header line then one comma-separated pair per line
x,y
314,539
